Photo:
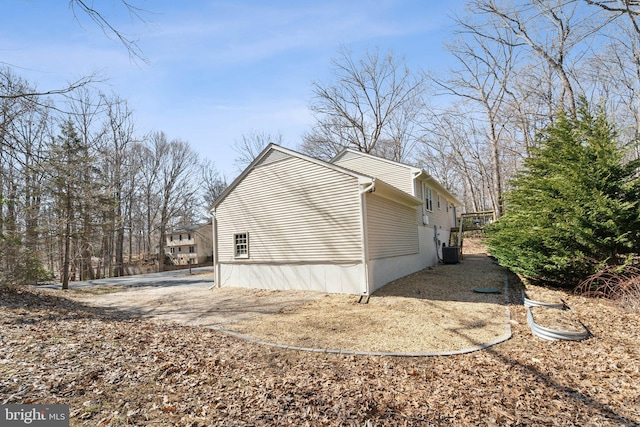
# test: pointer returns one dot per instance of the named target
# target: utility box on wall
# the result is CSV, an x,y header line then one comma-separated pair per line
x,y
450,254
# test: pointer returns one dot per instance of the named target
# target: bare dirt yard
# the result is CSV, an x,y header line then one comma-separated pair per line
x,y
116,367
432,311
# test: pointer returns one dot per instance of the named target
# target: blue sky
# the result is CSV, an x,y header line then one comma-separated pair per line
x,y
219,69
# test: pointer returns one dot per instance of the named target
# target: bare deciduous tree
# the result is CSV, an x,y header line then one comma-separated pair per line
x,y
482,78
628,8
177,167
118,136
100,19
550,29
453,145
107,27
372,106
212,183
252,144
147,165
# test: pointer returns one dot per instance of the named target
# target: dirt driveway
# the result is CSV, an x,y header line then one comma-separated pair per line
x,y
434,311
194,306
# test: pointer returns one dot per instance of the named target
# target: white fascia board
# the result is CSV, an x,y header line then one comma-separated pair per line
x,y
390,192
423,176
365,180
360,153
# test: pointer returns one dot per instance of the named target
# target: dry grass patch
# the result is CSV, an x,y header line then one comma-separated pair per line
x,y
434,310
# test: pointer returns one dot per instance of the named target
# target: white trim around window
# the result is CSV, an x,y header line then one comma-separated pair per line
x,y
428,198
241,245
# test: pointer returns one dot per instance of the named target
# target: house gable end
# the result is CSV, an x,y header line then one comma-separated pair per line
x,y
405,177
274,153
396,174
292,211
272,157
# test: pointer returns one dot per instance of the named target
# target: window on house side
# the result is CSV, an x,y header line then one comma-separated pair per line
x,y
241,245
438,200
171,238
191,250
180,237
428,198
189,236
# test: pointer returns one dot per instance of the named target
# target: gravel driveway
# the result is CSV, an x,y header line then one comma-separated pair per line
x,y
193,304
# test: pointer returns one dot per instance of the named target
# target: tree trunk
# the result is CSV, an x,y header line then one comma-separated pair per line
x,y
67,244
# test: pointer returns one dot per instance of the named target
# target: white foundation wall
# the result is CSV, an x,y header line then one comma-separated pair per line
x,y
331,278
385,270
442,236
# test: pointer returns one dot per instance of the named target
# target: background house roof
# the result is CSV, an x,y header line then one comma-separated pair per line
x,y
187,228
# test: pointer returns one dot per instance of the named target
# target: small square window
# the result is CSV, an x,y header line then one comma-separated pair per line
x,y
241,245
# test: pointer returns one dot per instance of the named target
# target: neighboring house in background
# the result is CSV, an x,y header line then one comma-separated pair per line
x,y
290,221
190,244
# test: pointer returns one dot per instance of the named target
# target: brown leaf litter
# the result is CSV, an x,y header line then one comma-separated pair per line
x,y
115,368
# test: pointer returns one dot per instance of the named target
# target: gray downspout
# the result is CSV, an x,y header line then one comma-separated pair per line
x,y
216,263
365,238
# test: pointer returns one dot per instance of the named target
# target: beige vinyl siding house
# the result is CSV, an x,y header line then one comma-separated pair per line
x,y
191,244
399,175
293,207
293,222
433,219
392,228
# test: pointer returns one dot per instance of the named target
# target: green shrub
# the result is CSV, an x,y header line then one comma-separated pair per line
x,y
574,207
25,268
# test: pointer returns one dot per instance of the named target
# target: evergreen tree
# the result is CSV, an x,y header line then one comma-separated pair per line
x,y
574,207
69,166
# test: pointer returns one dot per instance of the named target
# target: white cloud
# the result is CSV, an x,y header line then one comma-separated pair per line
x,y
238,33
217,69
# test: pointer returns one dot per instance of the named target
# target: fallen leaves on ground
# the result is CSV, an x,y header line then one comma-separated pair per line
x,y
115,369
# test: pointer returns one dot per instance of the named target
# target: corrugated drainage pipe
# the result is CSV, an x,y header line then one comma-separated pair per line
x,y
531,303
554,334
548,333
